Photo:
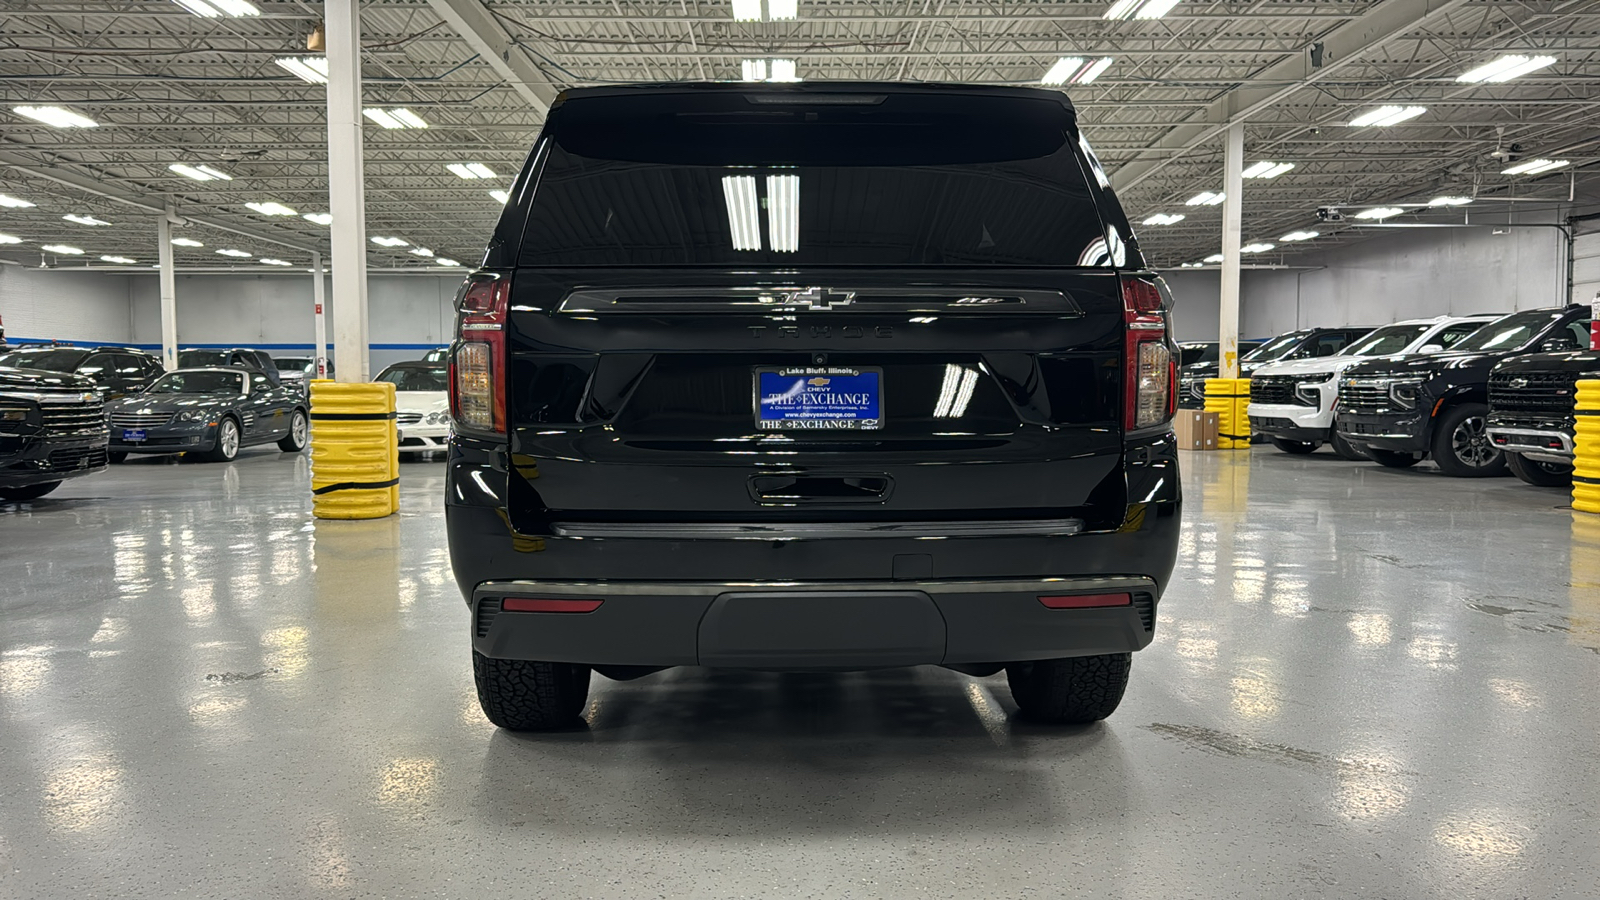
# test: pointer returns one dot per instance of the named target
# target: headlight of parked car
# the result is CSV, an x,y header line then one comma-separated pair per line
x,y
1405,393
190,415
1310,392
434,418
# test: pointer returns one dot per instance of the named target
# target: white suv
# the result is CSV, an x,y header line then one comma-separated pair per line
x,y
1291,403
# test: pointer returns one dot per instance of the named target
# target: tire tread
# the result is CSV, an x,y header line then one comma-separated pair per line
x,y
525,695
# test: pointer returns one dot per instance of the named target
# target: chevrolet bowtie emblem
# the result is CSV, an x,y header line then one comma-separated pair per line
x,y
819,298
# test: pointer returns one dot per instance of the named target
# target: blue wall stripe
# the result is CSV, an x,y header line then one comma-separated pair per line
x,y
17,342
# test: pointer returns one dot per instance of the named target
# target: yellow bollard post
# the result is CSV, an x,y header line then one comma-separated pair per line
x,y
1586,445
1229,398
355,451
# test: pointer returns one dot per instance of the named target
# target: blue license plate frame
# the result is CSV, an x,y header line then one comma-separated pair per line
x,y
818,398
133,435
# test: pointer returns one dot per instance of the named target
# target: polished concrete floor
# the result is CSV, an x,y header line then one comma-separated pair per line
x,y
1366,683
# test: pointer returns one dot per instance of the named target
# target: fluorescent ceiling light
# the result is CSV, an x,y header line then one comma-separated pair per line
x,y
306,68
779,10
276,262
318,218
420,251
754,69
272,208
9,239
239,254
62,249
1076,70
1379,212
1293,236
85,220
1094,70
503,196
1214,258
1536,166
186,242
210,9
120,260
747,10
55,116
1258,247
394,118
471,170
1205,198
449,263
1506,68
783,212
1193,265
1165,219
776,71
14,202
1450,201
744,216
783,72
389,241
1387,115
1140,9
1267,169
199,173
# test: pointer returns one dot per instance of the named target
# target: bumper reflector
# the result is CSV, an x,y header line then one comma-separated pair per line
x,y
1087,601
529,604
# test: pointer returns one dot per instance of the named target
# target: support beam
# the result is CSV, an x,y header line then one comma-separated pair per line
x,y
169,293
1232,233
495,46
1341,46
346,191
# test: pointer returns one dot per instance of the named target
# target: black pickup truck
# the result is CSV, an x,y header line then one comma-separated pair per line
x,y
1531,417
819,376
1400,409
52,427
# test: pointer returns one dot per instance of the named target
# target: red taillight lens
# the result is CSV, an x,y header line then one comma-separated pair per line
x,y
531,604
478,364
1087,601
1150,371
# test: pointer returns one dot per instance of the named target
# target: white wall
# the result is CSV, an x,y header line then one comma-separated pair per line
x,y
87,307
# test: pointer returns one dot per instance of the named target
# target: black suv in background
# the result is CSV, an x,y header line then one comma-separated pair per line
x,y
1400,409
1197,361
116,371
1531,415
1307,343
52,427
819,376
241,357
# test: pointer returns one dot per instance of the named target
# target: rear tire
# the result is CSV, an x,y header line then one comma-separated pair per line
x,y
1345,449
1298,448
1539,474
1078,689
1393,459
1461,446
523,695
28,492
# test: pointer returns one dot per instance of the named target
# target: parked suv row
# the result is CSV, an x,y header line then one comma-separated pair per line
x,y
1305,343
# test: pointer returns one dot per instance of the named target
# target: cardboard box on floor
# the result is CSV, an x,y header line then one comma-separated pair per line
x,y
1197,429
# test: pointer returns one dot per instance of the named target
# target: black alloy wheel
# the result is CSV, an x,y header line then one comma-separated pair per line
x,y
1461,445
1538,472
1345,449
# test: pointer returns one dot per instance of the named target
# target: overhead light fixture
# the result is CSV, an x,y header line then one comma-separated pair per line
x,y
776,10
186,242
744,215
1387,115
119,260
394,118
313,69
471,170
1267,169
15,202
1140,9
62,249
780,10
238,254
747,10
1258,247
199,173
754,69
1214,258
9,239
1191,265
779,71
85,220
1165,219
389,242
1379,212
210,9
448,263
318,218
55,116
503,196
1293,236
1505,68
276,262
1536,166
1450,201
420,251
272,208
1205,198
783,212
1076,70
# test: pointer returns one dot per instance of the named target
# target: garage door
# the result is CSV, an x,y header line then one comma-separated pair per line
x,y
1586,262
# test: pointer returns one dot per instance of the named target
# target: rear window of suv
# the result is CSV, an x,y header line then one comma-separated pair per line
x,y
726,178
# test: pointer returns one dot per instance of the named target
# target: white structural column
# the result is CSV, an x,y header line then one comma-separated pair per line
x,y
346,197
1232,226
169,292
319,309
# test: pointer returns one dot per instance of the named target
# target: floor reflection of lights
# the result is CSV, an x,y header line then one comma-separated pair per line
x,y
1371,629
1370,787
1434,652
288,650
1254,697
1515,693
82,794
408,781
1481,836
22,674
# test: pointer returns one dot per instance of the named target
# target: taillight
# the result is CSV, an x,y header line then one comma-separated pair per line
x,y
478,365
1150,372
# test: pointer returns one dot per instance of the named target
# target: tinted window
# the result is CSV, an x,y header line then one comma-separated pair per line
x,y
717,179
1197,353
416,378
1509,332
53,360
1452,334
197,358
199,383
129,366
1386,340
1275,348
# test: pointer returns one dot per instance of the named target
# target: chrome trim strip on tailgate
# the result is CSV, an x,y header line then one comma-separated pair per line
x,y
804,531
709,588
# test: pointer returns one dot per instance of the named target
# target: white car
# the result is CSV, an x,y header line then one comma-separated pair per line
x,y
1292,403
422,405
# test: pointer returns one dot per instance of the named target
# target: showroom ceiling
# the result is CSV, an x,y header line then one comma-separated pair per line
x,y
168,87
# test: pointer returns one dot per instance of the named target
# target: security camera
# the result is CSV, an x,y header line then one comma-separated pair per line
x,y
1329,214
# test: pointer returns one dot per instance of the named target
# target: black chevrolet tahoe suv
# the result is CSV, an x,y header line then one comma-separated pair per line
x,y
1531,412
1306,343
116,371
811,377
1400,409
52,427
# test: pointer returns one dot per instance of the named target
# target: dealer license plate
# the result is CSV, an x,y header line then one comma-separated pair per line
x,y
820,398
132,435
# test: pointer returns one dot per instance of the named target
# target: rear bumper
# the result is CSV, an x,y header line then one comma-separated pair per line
x,y
1405,433
800,626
